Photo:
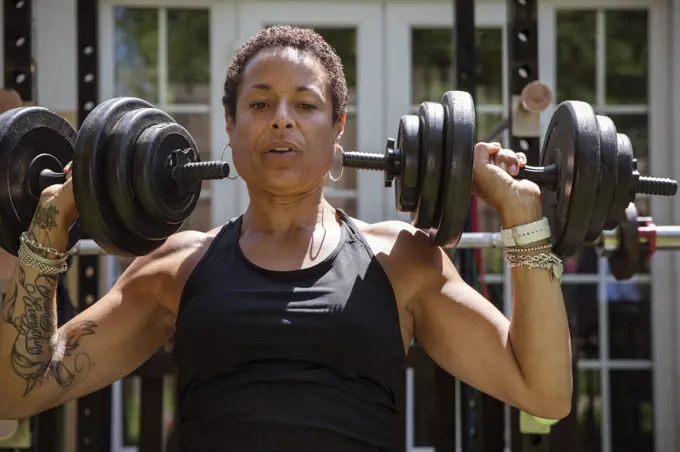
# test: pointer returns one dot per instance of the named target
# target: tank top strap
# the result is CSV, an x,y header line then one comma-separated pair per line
x,y
228,235
355,234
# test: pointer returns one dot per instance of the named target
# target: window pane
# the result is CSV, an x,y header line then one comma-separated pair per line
x,y
589,411
576,54
626,59
581,303
188,56
632,410
136,53
485,125
629,320
489,71
432,64
431,54
344,41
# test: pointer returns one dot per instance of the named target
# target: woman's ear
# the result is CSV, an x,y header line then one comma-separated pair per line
x,y
230,124
340,127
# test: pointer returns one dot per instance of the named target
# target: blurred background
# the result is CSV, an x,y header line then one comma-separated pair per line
x,y
618,55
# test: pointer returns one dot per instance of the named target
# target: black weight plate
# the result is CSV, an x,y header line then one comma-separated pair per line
x,y
624,185
31,139
573,143
156,191
124,136
408,145
607,180
97,211
459,152
431,155
625,260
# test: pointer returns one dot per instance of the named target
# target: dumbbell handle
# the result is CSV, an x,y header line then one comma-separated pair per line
x,y
547,177
190,172
544,176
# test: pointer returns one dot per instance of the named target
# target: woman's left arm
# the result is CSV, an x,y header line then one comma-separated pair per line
x,y
524,361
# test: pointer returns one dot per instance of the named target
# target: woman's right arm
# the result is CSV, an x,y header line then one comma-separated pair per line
x,y
42,366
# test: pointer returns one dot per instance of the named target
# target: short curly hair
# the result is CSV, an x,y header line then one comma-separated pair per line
x,y
284,36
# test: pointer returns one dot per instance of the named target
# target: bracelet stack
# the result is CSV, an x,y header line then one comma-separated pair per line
x,y
43,259
519,253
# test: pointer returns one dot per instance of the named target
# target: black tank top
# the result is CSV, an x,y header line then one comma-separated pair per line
x,y
304,360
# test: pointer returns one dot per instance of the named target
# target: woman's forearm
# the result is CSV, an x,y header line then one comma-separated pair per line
x,y
28,322
539,331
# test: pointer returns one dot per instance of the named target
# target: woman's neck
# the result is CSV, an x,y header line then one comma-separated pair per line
x,y
285,216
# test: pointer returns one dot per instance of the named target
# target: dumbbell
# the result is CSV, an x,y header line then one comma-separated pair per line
x,y
137,174
588,174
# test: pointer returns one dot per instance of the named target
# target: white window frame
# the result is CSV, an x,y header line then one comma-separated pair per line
x,y
368,21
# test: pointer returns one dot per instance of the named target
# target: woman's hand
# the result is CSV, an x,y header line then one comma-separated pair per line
x,y
517,201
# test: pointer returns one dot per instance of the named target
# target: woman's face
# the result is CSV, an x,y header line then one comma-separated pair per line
x,y
283,137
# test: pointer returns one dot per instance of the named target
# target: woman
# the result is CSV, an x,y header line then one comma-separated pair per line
x,y
291,322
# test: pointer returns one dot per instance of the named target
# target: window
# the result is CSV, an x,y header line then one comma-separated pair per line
x,y
602,59
162,55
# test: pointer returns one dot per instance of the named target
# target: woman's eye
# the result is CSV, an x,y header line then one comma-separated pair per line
x,y
258,105
308,106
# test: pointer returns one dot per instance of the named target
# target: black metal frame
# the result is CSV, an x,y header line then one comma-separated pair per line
x,y
482,417
94,410
522,27
18,48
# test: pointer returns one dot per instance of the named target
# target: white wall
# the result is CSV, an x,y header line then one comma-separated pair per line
x,y
55,54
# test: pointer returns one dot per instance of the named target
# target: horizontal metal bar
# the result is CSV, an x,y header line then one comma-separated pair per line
x,y
614,364
494,240
574,278
86,248
667,238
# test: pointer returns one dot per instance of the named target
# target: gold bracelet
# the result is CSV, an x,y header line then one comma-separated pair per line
x,y
516,249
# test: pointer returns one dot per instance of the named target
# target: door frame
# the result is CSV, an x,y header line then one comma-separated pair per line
x,y
368,20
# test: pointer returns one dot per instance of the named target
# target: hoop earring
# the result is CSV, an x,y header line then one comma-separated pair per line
x,y
222,159
342,170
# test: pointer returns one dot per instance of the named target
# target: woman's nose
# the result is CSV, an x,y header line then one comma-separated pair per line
x,y
282,119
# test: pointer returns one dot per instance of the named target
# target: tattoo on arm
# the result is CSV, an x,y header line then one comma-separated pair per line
x,y
39,352
45,217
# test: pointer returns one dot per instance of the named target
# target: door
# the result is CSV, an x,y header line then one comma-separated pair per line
x,y
355,31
